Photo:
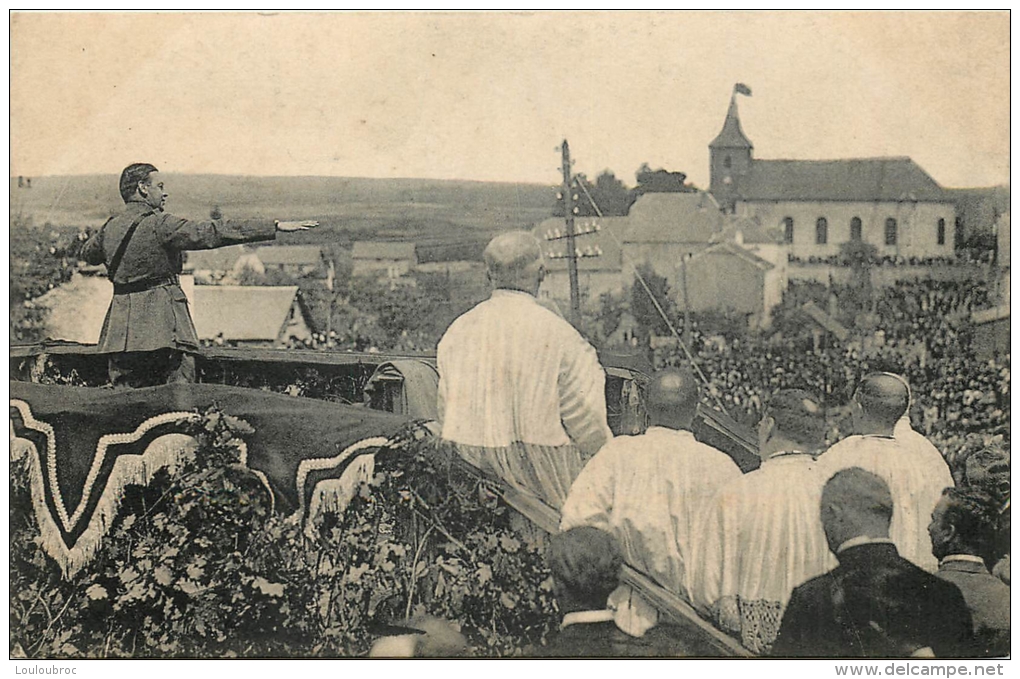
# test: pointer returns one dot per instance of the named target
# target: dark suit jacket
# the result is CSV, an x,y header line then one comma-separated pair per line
x,y
158,317
606,640
874,604
987,597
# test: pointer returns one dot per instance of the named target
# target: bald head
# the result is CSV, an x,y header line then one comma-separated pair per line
x,y
672,398
883,399
514,261
855,503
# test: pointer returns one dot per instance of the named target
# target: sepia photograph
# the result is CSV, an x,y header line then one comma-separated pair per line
x,y
510,335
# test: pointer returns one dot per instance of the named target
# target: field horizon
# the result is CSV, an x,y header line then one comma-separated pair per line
x,y
437,212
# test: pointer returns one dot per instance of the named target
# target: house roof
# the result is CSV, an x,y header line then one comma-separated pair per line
x,y
984,316
219,259
854,179
731,136
609,260
295,255
383,250
77,308
751,231
242,312
825,320
732,249
673,218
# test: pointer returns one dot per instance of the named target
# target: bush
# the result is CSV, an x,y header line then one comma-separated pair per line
x,y
196,565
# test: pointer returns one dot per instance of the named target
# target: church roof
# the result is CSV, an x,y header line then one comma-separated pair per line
x,y
691,217
855,179
731,136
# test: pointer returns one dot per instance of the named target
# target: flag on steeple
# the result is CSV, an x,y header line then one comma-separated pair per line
x,y
741,88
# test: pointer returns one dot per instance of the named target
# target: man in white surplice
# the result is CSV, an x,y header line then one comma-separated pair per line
x,y
916,474
762,535
521,393
648,491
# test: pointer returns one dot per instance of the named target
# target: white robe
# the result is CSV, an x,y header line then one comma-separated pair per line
x,y
648,491
761,537
521,394
916,477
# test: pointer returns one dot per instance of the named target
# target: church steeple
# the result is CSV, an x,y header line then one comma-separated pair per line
x,y
731,155
732,135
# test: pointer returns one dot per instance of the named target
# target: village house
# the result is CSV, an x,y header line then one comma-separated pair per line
x,y
384,259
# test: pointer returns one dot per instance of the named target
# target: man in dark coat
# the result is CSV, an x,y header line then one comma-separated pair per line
x,y
585,564
148,331
963,528
875,603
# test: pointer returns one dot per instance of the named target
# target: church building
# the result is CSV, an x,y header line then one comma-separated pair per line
x,y
818,205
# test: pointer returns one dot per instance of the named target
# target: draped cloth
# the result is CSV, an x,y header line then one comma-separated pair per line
x,y
81,447
521,394
916,477
761,537
648,491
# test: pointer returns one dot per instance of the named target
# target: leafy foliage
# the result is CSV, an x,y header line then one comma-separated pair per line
x,y
196,565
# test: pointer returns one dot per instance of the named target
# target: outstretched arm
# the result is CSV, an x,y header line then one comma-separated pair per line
x,y
186,234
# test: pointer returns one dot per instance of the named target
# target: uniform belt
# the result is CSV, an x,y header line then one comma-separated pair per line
x,y
143,285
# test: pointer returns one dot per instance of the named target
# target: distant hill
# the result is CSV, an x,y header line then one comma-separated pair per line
x,y
433,211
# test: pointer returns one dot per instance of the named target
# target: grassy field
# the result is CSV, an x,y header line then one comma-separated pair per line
x,y
442,216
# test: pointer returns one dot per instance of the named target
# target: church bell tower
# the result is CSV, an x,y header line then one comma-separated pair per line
x,y
731,155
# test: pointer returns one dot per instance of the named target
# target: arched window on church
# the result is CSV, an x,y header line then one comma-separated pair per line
x,y
940,231
788,229
855,228
890,231
821,231
727,162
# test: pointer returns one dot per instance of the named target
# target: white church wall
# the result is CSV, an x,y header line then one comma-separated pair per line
x,y
917,225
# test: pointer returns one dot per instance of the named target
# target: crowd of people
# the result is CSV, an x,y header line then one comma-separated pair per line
x,y
889,260
854,537
920,330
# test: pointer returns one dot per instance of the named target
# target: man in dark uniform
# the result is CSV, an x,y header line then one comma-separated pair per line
x,y
148,331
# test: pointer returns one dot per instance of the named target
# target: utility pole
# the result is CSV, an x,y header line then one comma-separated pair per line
x,y
687,301
569,199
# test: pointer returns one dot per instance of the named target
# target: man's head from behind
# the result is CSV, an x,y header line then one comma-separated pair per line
x,y
793,417
140,181
855,503
964,522
585,564
671,398
513,261
880,401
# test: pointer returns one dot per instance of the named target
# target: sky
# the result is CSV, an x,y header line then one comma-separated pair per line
x,y
490,96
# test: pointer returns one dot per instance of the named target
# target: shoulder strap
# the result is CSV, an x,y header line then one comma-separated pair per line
x,y
111,268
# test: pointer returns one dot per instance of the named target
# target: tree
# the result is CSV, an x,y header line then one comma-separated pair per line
x,y
860,255
661,181
608,193
643,308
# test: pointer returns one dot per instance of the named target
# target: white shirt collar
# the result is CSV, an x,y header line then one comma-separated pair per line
x,y
862,540
668,430
962,557
580,617
507,292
